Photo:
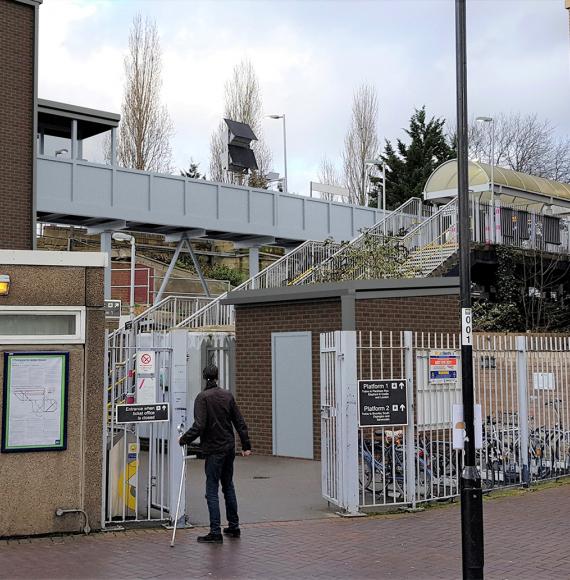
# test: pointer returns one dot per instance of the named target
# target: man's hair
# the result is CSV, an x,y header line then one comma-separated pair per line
x,y
210,373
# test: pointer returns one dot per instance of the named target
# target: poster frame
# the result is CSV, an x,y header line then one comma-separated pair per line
x,y
5,403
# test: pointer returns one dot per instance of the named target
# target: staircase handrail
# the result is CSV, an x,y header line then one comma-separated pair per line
x,y
217,314
378,228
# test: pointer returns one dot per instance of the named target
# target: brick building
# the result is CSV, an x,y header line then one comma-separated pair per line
x,y
421,305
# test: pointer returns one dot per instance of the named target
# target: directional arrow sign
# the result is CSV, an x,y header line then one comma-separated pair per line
x,y
382,402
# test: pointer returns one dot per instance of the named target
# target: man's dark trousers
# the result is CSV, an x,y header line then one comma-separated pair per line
x,y
220,468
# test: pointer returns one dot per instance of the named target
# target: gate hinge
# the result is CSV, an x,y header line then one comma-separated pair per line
x,y
340,356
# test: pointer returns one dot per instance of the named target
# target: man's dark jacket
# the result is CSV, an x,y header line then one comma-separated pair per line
x,y
215,415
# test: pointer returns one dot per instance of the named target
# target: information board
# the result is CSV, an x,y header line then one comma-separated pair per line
x,y
443,366
382,402
34,416
143,413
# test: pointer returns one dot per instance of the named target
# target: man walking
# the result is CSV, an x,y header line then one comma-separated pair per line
x,y
215,415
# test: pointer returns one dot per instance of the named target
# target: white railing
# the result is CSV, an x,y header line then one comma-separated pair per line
x,y
283,272
347,259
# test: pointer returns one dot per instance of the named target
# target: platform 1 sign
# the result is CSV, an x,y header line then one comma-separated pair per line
x,y
143,413
382,403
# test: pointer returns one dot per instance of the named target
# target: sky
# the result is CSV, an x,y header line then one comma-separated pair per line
x,y
309,57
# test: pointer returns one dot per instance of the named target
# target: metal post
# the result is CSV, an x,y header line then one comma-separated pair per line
x,y
253,261
73,139
133,262
384,195
522,374
411,426
171,267
494,218
197,267
106,247
285,182
471,495
114,146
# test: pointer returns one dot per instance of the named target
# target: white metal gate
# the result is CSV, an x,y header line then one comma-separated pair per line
x,y
521,383
136,456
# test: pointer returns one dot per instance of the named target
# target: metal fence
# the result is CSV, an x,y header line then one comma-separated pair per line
x,y
521,384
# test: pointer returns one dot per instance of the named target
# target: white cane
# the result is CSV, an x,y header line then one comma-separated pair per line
x,y
182,475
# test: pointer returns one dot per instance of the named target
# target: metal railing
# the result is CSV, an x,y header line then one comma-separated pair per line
x,y
394,225
283,272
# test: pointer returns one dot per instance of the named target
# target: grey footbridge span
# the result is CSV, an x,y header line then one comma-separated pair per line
x,y
77,192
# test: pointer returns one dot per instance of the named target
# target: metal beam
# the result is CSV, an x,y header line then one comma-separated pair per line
x,y
171,266
197,267
106,247
107,226
254,242
189,234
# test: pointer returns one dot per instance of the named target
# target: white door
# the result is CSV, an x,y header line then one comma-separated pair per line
x,y
292,394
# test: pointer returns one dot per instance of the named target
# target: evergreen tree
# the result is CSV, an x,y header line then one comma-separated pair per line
x,y
192,171
410,165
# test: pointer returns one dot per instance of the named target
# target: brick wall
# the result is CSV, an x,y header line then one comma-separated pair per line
x,y
421,314
254,325
16,124
121,283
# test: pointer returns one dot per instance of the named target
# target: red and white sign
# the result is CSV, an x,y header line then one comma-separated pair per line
x,y
145,363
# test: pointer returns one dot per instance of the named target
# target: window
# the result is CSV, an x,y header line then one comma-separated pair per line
x,y
42,325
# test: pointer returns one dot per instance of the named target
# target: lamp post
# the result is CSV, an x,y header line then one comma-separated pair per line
x,y
471,494
284,147
492,122
121,237
382,165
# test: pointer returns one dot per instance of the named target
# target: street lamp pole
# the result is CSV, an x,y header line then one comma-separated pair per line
x,y
284,148
122,237
471,494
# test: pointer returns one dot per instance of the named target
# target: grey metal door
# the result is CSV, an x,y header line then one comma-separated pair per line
x,y
292,394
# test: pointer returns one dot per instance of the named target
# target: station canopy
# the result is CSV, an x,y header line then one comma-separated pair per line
x,y
510,186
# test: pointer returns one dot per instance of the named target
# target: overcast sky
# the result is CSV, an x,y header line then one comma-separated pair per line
x,y
309,57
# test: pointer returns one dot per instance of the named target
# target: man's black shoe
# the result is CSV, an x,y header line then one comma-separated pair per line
x,y
211,539
232,532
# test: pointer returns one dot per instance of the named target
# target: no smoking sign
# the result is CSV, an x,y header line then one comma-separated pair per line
x,y
145,363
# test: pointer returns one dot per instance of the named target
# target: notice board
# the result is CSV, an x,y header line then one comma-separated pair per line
x,y
34,412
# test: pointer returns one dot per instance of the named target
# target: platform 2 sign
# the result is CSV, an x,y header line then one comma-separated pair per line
x,y
143,413
382,403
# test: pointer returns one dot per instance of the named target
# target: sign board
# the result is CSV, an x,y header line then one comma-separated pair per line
x,y
112,308
543,381
443,366
382,402
146,362
143,413
34,411
145,377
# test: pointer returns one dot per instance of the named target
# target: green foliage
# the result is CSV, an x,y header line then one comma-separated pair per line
x,y
409,166
192,171
375,257
258,180
221,272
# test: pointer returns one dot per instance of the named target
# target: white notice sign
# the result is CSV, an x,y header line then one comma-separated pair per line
x,y
34,395
146,378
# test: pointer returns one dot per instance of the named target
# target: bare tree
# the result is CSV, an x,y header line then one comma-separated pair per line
x,y
523,143
243,103
361,143
146,128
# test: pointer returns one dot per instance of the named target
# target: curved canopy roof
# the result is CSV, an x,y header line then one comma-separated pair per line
x,y
443,181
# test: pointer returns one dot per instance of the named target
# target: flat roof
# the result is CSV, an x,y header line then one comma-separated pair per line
x,y
361,289
54,118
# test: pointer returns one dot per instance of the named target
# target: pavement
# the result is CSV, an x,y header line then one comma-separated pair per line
x,y
526,536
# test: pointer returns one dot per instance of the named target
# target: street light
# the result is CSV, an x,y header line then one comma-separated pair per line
x,y
284,147
382,164
471,494
492,122
122,237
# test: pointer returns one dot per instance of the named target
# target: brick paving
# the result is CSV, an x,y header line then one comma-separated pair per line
x,y
527,537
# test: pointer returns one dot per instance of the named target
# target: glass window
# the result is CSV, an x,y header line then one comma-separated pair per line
x,y
20,324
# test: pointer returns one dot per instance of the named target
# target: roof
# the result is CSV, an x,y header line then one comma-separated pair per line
x,y
443,182
53,118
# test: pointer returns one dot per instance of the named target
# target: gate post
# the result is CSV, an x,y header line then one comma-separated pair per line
x,y
522,382
348,440
410,428
177,416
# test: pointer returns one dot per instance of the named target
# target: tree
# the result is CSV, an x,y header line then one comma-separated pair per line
x,y
523,143
361,144
243,103
192,171
146,128
410,165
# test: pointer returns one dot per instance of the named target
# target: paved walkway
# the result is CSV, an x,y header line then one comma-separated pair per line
x,y
527,536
